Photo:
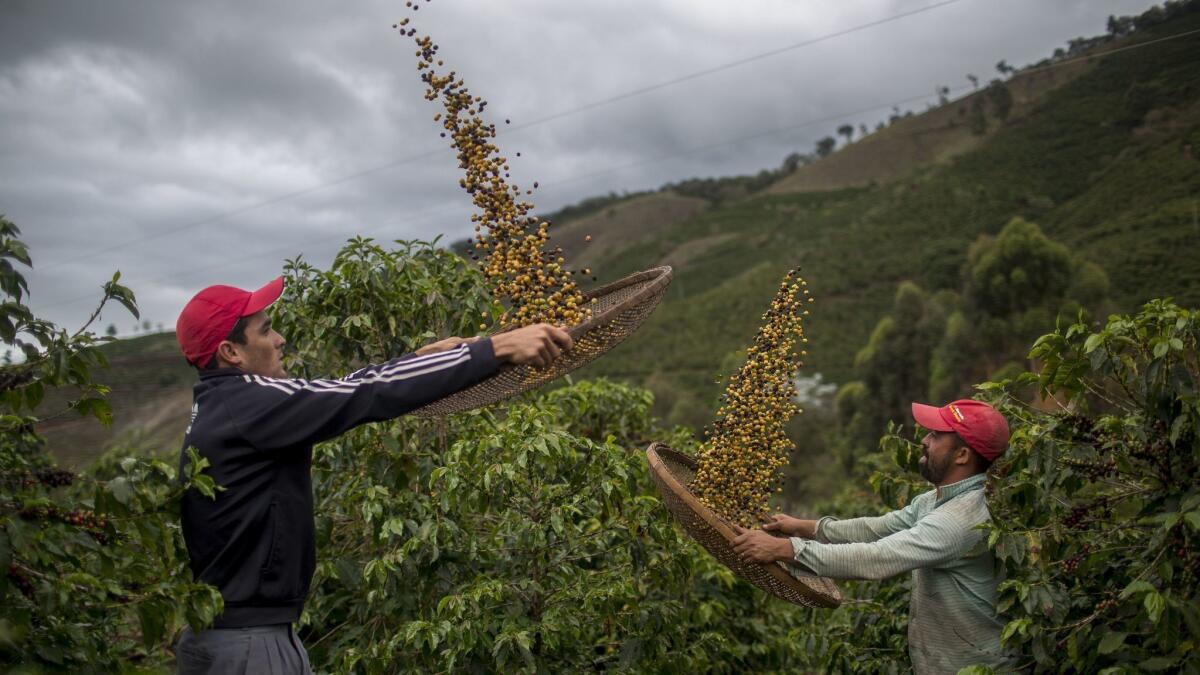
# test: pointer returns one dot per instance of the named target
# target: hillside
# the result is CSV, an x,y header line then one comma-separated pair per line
x,y
936,136
1102,162
1098,153
151,397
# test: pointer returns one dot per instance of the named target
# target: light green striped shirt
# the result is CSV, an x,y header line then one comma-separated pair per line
x,y
952,621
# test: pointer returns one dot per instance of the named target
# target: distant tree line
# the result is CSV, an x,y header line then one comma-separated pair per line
x,y
969,327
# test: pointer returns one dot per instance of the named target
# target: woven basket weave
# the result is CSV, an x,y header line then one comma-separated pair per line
x,y
673,472
619,309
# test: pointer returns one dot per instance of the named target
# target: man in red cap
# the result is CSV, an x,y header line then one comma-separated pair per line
x,y
257,427
952,619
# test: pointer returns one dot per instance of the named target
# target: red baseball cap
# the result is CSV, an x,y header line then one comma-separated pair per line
x,y
979,424
209,316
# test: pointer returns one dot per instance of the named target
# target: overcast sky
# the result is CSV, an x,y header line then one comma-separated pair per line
x,y
193,143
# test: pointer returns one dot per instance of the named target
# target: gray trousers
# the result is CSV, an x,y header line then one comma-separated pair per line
x,y
271,650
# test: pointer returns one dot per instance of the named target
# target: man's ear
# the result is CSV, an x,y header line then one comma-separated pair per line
x,y
962,455
228,352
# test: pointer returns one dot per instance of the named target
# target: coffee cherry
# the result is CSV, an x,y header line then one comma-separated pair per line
x,y
740,463
17,576
511,241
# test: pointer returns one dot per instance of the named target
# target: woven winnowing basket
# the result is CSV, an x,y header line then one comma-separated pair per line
x,y
673,473
619,309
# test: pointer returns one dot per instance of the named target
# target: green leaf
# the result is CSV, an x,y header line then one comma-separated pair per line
x,y
1193,519
153,617
1137,586
1156,663
1112,641
121,489
1155,604
1014,627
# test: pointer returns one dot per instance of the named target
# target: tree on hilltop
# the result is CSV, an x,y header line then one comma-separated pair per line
x,y
825,146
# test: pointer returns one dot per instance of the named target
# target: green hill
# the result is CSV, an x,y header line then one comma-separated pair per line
x,y
151,398
1102,162
1097,152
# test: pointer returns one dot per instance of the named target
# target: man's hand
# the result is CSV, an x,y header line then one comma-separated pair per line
x,y
443,345
791,526
536,345
761,547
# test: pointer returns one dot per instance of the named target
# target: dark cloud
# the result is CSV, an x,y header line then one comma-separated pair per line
x,y
164,124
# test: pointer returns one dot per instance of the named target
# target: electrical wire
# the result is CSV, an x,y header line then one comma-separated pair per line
x,y
555,116
616,168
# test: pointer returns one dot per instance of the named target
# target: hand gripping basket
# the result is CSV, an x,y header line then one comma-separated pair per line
x,y
619,309
673,472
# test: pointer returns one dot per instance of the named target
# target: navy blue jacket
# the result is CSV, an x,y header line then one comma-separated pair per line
x,y
255,541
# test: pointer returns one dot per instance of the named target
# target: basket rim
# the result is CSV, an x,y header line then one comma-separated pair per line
x,y
655,452
660,278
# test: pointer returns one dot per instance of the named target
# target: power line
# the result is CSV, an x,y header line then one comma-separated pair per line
x,y
436,209
642,162
559,115
733,64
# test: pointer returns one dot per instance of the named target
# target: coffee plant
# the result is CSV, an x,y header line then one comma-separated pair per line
x,y
527,537
1096,508
93,573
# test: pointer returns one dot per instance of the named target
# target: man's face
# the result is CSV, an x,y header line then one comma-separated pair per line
x,y
263,352
940,449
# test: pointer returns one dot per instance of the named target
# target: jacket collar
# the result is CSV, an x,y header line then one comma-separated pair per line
x,y
220,372
947,492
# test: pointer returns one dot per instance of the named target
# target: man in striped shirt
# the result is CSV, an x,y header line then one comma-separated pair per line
x,y
952,619
256,427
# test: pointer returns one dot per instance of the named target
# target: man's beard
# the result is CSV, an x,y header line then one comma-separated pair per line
x,y
930,472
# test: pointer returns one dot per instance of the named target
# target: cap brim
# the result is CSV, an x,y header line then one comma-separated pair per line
x,y
930,417
263,297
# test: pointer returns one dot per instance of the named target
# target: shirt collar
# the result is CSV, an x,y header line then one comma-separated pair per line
x,y
947,492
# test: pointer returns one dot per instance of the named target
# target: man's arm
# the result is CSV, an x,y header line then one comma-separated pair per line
x,y
284,413
944,535
278,414
830,530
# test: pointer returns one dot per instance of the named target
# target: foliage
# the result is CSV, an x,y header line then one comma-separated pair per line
x,y
931,347
895,362
1095,509
373,304
93,572
1097,513
520,538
